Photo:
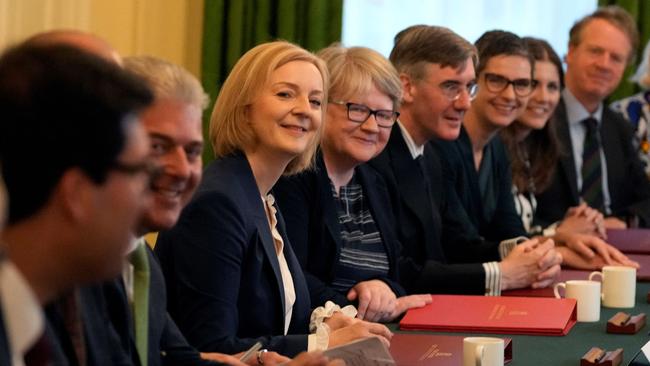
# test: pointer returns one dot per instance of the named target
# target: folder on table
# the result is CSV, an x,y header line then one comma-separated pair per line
x,y
635,241
493,314
409,349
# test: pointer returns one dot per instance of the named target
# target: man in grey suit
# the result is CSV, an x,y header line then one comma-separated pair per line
x,y
600,166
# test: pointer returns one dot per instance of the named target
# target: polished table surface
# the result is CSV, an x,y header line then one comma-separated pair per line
x,y
567,350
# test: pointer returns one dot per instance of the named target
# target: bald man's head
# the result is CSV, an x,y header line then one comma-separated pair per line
x,y
85,41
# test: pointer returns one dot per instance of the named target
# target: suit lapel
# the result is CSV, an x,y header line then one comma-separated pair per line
x,y
411,188
609,139
464,144
330,211
257,209
567,163
268,244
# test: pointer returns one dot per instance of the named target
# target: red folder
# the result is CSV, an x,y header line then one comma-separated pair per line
x,y
433,350
630,240
493,314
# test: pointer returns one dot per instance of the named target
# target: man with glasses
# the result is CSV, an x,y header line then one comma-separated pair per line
x,y
601,167
436,68
75,195
476,163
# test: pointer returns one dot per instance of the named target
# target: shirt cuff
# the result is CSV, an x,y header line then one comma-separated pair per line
x,y
506,246
319,341
492,279
323,312
551,229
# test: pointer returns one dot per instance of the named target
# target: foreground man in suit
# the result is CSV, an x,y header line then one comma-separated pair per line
x,y
5,354
600,167
437,70
77,194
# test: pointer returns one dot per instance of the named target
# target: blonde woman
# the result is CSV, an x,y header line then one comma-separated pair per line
x,y
231,273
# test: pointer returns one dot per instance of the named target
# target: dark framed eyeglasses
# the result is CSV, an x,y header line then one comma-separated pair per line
x,y
453,90
497,83
360,113
148,168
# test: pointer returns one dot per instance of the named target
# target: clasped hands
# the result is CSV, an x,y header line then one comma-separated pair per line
x,y
378,303
532,263
581,240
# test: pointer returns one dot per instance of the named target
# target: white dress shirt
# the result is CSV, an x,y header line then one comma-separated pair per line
x,y
22,314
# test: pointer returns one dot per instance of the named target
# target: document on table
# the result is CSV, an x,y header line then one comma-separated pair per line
x,y
646,350
363,352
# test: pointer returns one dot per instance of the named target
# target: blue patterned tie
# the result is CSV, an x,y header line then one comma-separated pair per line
x,y
592,174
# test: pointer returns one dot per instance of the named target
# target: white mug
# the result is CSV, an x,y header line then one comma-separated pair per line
x,y
482,351
587,294
619,286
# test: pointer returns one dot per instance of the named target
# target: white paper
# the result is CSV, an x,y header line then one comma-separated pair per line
x,y
363,352
646,350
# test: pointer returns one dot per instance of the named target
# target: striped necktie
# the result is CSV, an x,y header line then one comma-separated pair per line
x,y
592,177
71,311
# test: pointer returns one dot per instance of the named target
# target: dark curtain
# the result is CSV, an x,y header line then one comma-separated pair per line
x,y
640,10
232,27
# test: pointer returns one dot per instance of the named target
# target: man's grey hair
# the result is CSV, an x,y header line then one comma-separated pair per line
x,y
168,80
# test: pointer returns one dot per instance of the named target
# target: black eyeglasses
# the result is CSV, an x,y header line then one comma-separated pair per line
x,y
360,113
497,83
151,170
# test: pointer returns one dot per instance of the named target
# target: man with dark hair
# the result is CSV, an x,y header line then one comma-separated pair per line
x,y
76,193
478,167
600,166
436,67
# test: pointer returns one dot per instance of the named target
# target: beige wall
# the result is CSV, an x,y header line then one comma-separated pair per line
x,y
170,29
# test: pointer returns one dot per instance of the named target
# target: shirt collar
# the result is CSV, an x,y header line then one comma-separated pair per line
x,y
135,242
576,112
414,149
23,315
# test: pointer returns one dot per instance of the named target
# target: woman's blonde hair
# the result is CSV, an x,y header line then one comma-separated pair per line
x,y
230,129
354,70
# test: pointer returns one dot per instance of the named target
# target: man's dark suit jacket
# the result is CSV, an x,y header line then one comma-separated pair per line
x,y
102,343
421,209
629,188
167,346
222,272
312,219
496,220
5,355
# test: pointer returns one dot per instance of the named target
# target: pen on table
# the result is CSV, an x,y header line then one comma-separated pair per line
x,y
251,351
